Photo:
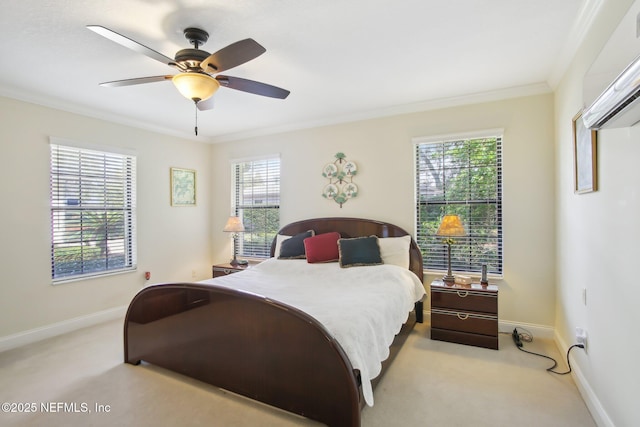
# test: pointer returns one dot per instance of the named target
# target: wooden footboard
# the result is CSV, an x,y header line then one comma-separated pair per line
x,y
246,344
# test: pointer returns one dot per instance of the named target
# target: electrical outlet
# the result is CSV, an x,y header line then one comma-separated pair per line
x,y
581,337
193,274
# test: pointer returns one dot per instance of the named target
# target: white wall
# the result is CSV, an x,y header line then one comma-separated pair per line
x,y
383,151
172,242
597,247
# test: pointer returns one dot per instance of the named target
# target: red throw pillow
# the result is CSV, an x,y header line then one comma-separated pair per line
x,y
322,248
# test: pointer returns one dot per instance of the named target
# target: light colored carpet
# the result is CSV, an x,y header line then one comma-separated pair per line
x,y
430,383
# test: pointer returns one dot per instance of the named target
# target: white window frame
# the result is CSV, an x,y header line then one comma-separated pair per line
x,y
255,241
87,184
464,253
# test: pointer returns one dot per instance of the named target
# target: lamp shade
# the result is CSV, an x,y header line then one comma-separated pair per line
x,y
233,225
195,86
450,226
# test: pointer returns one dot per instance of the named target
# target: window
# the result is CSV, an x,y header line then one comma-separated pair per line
x,y
256,200
460,176
93,211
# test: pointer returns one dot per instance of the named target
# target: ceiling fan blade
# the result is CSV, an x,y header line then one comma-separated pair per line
x,y
233,55
132,44
252,86
136,81
207,104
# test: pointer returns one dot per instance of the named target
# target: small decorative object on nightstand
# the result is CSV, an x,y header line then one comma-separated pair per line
x,y
450,227
226,269
483,279
465,314
234,226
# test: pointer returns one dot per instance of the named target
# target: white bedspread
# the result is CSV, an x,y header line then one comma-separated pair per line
x,y
362,307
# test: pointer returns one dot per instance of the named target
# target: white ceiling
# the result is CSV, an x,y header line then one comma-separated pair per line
x,y
341,59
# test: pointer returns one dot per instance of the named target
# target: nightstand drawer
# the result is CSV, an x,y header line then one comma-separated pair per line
x,y
220,270
465,338
463,300
217,272
474,323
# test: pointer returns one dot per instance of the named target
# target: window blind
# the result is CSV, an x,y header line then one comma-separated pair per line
x,y
463,177
256,200
93,212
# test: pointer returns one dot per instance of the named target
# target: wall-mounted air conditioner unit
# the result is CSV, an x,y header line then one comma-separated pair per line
x,y
618,105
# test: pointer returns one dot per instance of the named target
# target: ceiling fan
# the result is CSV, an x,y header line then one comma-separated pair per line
x,y
197,77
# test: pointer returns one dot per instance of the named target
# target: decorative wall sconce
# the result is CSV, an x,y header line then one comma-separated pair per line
x,y
340,174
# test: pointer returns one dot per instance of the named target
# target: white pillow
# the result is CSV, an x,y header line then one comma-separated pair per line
x,y
279,239
395,250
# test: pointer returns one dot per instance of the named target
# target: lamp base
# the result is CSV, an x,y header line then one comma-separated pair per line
x,y
239,262
448,279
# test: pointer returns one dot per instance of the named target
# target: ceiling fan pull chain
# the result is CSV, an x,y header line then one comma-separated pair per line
x,y
196,105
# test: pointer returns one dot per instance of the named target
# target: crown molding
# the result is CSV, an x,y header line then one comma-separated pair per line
x,y
583,22
437,104
57,104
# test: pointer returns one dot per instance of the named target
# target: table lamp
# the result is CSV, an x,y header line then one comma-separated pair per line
x,y
450,227
234,226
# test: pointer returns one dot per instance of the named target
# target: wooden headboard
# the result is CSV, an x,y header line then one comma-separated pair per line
x,y
355,227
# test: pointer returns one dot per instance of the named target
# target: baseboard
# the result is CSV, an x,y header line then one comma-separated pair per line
x,y
538,331
27,337
598,413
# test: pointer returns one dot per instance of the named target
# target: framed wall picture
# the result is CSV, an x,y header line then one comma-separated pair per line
x,y
584,157
183,187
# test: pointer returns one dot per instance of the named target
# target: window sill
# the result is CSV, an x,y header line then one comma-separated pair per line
x,y
57,282
475,276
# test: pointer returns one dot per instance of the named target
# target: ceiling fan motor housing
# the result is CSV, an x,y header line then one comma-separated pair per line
x,y
192,58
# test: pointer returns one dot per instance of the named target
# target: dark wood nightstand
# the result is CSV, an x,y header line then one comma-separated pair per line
x,y
465,314
225,269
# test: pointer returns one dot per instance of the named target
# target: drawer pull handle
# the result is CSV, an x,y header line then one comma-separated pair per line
x,y
462,294
462,316
226,271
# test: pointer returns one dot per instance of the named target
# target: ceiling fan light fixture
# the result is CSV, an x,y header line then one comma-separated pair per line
x,y
195,86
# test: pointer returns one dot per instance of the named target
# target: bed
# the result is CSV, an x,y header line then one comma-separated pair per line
x,y
231,333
